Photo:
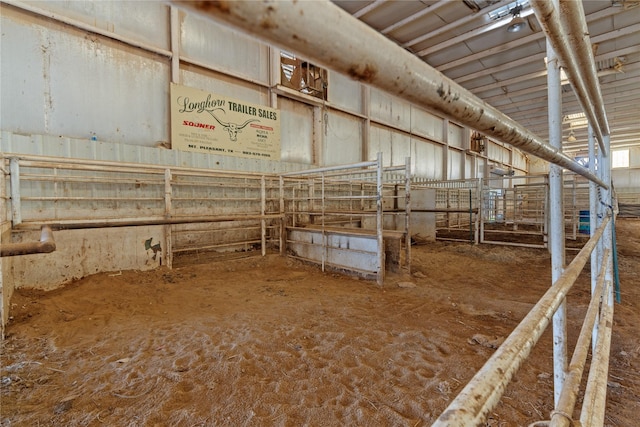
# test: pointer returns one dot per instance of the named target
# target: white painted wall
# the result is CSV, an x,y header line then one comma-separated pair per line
x,y
72,70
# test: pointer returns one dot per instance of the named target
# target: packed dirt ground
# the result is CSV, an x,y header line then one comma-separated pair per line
x,y
274,342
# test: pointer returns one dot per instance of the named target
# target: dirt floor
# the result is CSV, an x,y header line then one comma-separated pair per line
x,y
273,342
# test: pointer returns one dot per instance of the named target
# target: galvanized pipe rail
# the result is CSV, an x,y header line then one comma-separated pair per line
x,y
351,47
483,392
44,246
561,416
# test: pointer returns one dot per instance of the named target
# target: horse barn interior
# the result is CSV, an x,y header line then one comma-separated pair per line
x,y
374,213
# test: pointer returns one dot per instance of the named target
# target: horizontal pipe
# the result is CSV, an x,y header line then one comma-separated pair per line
x,y
44,246
483,392
593,405
351,47
571,388
147,222
332,169
446,210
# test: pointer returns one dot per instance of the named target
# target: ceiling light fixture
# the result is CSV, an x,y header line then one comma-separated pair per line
x,y
517,23
572,137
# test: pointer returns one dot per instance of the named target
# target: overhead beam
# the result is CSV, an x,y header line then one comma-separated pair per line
x,y
610,11
539,57
414,17
455,24
351,47
368,8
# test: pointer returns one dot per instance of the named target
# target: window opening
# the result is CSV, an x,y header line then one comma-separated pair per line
x,y
620,159
303,76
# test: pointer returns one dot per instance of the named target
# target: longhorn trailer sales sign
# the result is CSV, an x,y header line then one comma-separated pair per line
x,y
208,123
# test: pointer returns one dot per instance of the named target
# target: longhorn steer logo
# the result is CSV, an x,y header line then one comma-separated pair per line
x,y
233,128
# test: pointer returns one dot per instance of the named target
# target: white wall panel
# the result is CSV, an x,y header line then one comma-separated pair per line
x,y
98,86
379,142
426,124
144,21
455,164
345,93
634,157
395,146
400,148
224,85
519,160
427,160
296,131
342,139
222,48
22,76
71,84
456,134
390,110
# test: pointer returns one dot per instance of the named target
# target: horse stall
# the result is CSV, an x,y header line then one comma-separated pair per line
x,y
353,218
451,207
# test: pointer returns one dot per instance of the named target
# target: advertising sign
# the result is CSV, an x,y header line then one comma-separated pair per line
x,y
209,123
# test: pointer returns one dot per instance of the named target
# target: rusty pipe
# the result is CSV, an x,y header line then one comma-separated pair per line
x,y
473,404
331,37
44,246
566,31
571,389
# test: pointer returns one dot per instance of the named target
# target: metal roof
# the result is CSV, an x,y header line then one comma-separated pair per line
x,y
506,69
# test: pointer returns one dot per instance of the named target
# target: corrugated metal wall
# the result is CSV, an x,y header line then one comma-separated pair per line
x,y
73,70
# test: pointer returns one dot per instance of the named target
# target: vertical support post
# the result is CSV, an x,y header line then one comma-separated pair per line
x,y
593,225
168,256
407,207
379,220
556,219
607,209
263,209
481,212
175,44
324,234
478,198
366,110
14,168
283,217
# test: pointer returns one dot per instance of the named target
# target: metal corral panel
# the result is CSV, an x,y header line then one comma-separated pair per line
x,y
351,252
224,48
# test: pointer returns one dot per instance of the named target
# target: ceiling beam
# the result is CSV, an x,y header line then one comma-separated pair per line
x,y
455,24
610,11
540,57
411,18
368,8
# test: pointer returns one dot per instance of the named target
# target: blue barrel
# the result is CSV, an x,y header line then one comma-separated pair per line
x,y
584,224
